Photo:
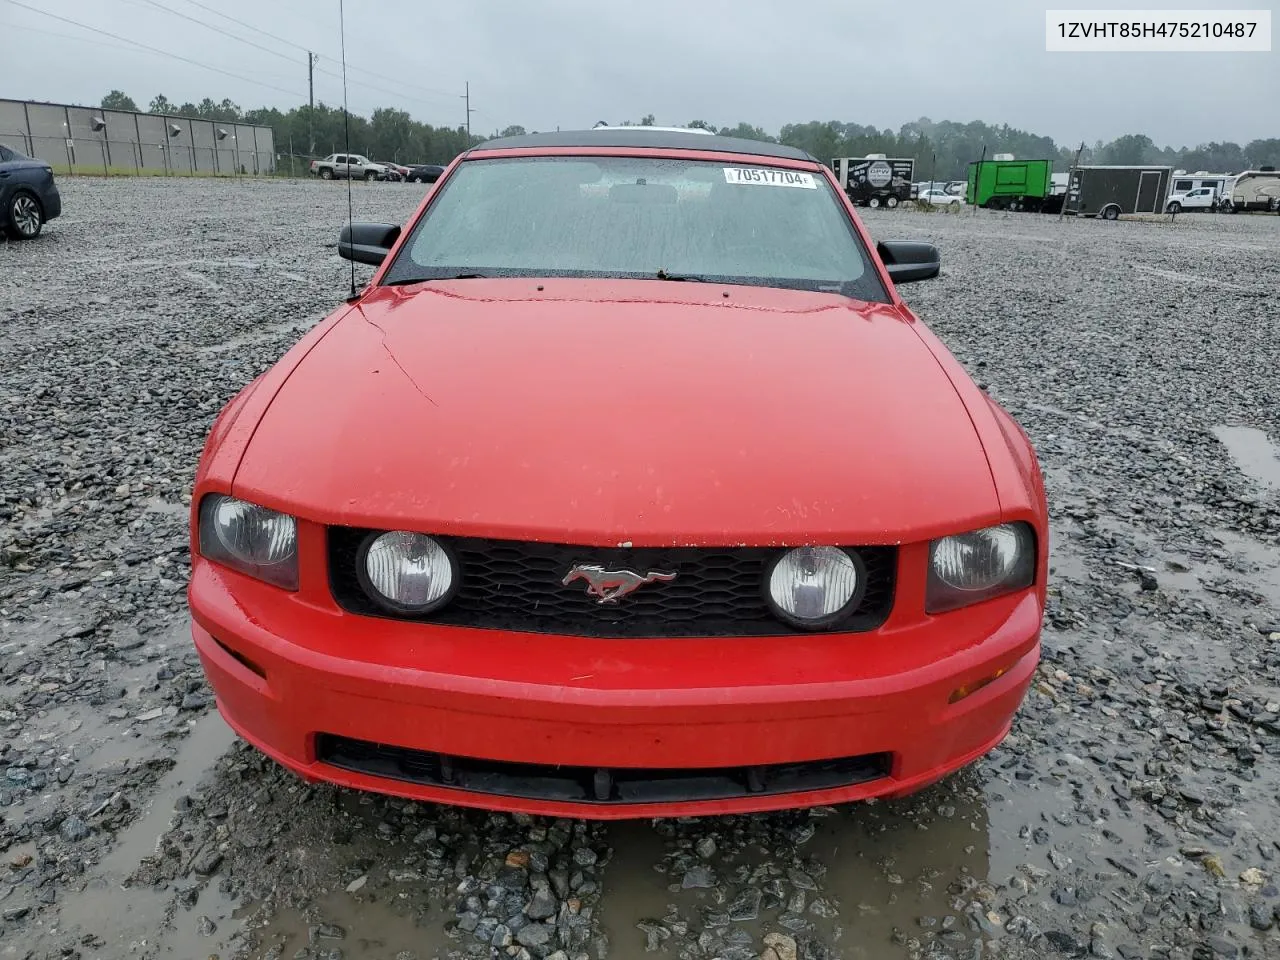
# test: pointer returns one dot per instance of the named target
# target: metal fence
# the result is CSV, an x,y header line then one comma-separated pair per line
x,y
87,140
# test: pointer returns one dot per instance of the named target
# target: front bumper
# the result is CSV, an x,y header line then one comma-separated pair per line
x,y
294,678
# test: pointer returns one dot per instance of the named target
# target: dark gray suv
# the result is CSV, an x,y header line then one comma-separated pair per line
x,y
28,196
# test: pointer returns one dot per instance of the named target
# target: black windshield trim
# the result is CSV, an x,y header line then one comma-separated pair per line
x,y
846,288
640,138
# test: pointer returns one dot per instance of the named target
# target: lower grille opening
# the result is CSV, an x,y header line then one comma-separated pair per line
x,y
595,785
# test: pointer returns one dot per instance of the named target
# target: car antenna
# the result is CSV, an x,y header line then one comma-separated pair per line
x,y
346,133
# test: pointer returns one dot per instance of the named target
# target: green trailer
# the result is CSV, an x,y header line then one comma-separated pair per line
x,y
1008,184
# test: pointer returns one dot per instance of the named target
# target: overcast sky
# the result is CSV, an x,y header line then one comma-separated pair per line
x,y
569,63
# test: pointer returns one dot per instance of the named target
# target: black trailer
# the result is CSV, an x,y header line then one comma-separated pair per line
x,y
1109,191
876,180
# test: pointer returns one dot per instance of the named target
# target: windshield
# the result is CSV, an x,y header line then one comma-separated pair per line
x,y
639,217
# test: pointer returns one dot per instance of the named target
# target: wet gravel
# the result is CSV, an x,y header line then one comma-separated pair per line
x,y
1131,813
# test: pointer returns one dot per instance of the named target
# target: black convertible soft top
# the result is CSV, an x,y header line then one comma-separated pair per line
x,y
644,137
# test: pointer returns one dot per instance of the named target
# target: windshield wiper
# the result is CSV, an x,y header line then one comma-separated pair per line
x,y
683,277
403,281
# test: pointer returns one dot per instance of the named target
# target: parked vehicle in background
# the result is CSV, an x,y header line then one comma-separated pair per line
x,y
1224,201
343,165
939,198
1006,183
1254,190
424,173
29,197
1184,182
875,179
1109,191
393,171
1201,198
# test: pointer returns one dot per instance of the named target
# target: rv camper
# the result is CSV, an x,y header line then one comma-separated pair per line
x,y
1254,190
1184,182
1109,191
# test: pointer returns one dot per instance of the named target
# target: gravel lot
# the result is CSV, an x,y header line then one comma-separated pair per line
x,y
1132,813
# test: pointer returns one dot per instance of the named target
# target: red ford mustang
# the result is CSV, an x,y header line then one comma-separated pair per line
x,y
627,487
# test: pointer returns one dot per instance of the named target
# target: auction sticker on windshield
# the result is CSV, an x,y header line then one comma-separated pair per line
x,y
770,177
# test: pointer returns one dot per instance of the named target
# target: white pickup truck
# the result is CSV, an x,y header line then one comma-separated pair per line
x,y
1201,198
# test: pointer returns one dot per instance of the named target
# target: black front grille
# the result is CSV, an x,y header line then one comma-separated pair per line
x,y
516,585
595,785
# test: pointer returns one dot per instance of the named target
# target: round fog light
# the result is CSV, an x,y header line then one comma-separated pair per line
x,y
407,572
814,587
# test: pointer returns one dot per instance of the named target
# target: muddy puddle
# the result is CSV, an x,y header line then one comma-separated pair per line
x,y
122,917
362,929
870,880
1253,452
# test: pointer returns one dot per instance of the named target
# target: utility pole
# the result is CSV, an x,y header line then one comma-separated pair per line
x,y
467,97
311,101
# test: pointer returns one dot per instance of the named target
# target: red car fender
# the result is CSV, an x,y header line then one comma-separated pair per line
x,y
236,423
1015,468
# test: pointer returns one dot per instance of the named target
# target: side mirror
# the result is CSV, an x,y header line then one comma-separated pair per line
x,y
908,260
367,242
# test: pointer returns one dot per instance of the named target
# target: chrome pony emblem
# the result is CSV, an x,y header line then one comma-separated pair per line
x,y
607,586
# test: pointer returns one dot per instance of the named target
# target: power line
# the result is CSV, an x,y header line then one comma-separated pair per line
x,y
380,76
226,33
143,46
257,46
430,91
247,26
90,40
370,86
275,53
70,36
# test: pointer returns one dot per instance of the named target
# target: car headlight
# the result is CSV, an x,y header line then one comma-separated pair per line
x,y
815,587
406,572
252,539
974,566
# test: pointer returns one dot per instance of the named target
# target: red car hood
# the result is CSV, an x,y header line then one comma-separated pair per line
x,y
607,412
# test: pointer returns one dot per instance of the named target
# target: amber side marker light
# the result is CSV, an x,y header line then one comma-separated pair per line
x,y
960,693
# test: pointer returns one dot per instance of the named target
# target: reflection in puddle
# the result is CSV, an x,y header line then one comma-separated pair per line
x,y
121,915
1263,562
871,880
358,927
1253,453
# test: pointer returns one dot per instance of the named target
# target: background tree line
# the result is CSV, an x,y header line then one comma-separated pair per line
x,y
942,149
